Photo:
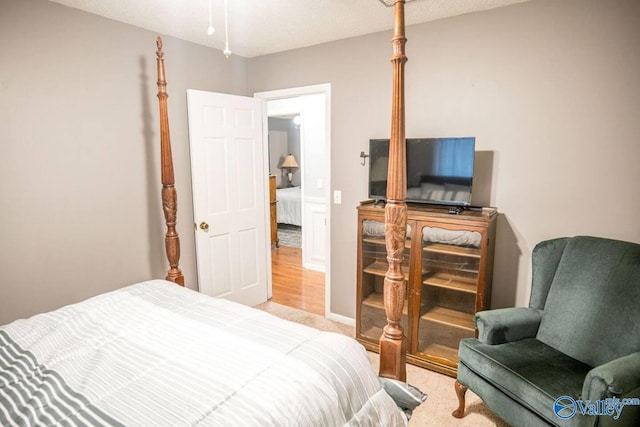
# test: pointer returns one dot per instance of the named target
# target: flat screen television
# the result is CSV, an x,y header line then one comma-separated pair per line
x,y
439,170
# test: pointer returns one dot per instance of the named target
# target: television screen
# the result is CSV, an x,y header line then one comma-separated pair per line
x,y
439,170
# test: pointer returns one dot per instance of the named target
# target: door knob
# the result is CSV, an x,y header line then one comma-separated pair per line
x,y
204,226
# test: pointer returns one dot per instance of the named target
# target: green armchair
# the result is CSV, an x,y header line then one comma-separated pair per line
x,y
572,358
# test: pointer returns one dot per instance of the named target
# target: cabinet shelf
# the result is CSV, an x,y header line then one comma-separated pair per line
x,y
452,250
376,300
454,318
460,267
441,351
379,268
380,241
373,332
451,281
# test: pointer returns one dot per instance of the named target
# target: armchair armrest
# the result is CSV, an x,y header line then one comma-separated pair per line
x,y
616,378
507,324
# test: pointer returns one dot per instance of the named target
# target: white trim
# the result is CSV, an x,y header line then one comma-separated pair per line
x,y
324,88
267,190
294,92
342,319
313,199
314,215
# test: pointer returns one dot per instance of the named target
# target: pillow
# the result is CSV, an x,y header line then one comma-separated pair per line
x,y
406,396
413,193
427,187
429,191
458,193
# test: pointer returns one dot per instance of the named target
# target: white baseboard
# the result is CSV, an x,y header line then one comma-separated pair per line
x,y
341,319
314,267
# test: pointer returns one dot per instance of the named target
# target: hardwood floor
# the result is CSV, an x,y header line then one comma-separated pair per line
x,y
293,285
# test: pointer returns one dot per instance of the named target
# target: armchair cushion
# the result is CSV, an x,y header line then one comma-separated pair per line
x,y
529,371
507,324
592,304
616,378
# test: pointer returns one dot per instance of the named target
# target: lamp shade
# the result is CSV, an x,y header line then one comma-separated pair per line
x,y
289,162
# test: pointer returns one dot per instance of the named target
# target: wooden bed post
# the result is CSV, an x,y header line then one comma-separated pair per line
x,y
393,347
169,197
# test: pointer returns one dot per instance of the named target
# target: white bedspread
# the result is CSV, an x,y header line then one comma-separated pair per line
x,y
156,354
289,206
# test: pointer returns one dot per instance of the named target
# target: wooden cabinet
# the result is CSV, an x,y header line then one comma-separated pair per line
x,y
448,267
273,211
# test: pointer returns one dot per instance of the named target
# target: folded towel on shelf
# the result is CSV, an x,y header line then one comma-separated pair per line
x,y
376,229
452,237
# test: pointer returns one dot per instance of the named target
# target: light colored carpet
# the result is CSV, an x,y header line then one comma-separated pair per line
x,y
436,411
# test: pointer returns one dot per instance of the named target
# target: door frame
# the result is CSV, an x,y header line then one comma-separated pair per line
x,y
324,88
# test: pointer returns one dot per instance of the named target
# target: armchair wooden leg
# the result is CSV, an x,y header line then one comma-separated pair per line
x,y
460,392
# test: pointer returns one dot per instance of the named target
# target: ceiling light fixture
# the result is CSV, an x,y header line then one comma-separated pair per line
x,y
227,51
390,3
210,30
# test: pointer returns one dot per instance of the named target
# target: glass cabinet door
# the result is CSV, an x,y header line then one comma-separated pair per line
x,y
374,267
450,264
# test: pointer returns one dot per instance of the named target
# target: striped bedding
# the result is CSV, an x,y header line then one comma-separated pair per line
x,y
156,354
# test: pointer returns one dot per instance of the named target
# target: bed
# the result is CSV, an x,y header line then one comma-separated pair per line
x,y
289,206
156,353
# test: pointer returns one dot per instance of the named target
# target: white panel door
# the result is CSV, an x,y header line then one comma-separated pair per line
x,y
229,195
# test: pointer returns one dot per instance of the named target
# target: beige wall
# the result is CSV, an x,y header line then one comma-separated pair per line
x,y
549,88
79,152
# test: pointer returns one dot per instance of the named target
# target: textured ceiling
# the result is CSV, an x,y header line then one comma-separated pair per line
x,y
260,27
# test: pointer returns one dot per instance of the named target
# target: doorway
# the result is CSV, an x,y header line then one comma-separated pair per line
x,y
284,154
299,127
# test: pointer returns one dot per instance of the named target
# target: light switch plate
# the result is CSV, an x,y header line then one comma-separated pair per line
x,y
337,197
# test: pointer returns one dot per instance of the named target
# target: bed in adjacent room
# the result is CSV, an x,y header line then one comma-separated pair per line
x,y
156,353
289,206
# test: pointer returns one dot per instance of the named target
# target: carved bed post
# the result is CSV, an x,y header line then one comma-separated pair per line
x,y
169,197
393,347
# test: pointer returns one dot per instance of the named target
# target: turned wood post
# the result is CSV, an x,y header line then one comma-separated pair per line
x,y
393,347
169,197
